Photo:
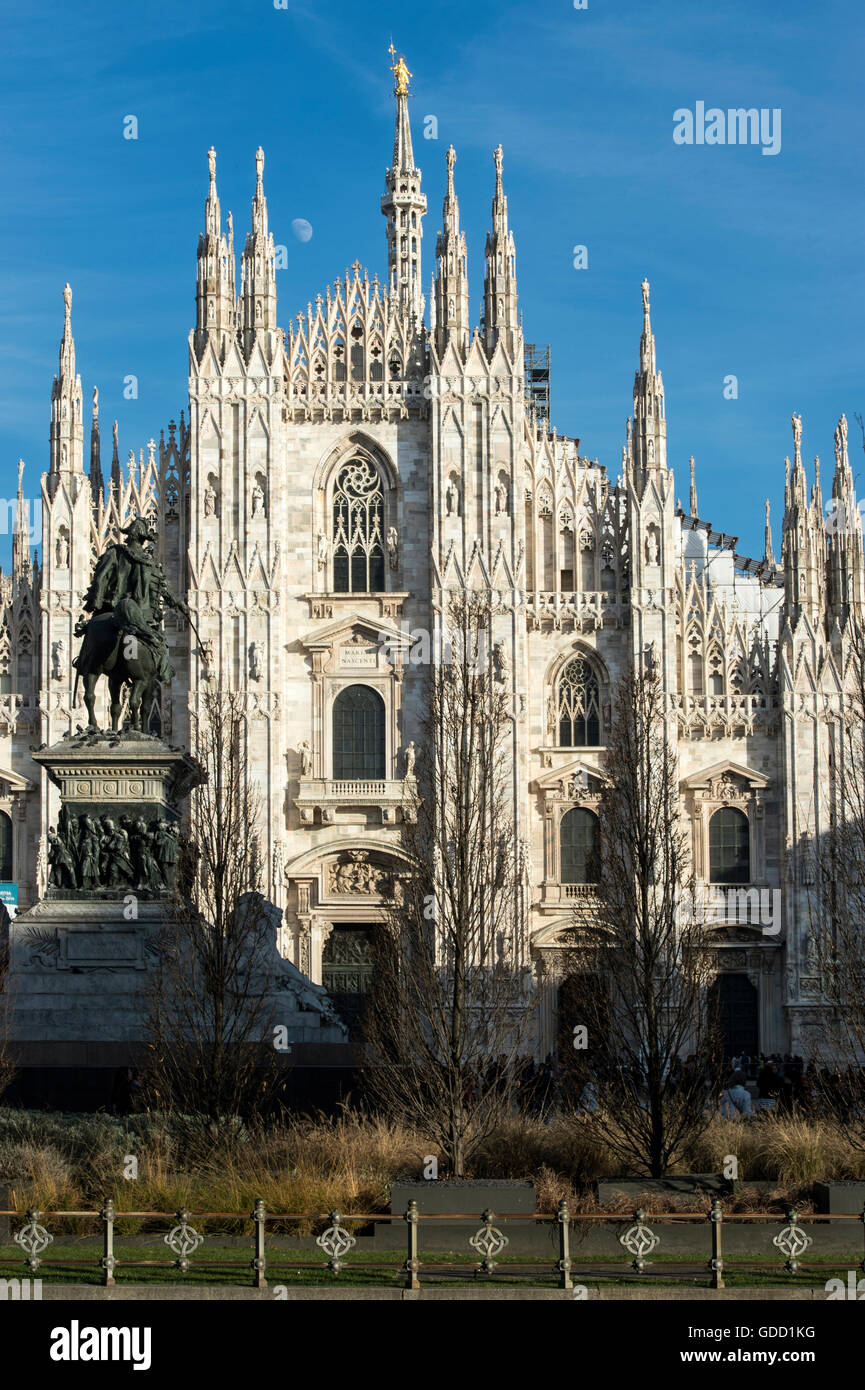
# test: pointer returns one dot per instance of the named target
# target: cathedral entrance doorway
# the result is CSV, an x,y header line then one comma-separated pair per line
x,y
346,970
578,1003
734,1001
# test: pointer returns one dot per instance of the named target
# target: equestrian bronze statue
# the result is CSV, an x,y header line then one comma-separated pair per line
x,y
123,638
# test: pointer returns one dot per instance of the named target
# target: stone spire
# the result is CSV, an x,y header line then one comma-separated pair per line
x,y
451,282
116,476
768,549
404,206
501,322
258,273
846,578
693,498
803,548
650,425
97,486
21,565
67,427
215,307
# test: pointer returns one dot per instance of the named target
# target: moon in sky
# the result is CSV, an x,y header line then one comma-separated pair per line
x,y
301,228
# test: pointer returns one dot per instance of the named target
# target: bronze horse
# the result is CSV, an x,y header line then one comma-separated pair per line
x,y
125,659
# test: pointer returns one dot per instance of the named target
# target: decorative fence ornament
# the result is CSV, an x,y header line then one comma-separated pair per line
x,y
336,1241
792,1241
639,1241
489,1242
184,1240
33,1239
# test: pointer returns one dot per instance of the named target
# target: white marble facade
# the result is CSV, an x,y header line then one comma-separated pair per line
x,y
383,440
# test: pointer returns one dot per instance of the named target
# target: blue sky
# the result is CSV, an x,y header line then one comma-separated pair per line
x,y
755,261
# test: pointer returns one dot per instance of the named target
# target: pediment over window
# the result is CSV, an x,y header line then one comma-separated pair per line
x,y
11,782
357,643
725,779
575,781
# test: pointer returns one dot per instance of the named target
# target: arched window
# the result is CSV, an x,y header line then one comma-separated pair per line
x,y
579,705
358,735
358,526
578,843
5,848
729,847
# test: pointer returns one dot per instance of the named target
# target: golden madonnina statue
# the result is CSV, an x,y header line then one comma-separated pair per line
x,y
400,72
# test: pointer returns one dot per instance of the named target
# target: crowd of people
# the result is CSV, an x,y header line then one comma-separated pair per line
x,y
749,1086
788,1085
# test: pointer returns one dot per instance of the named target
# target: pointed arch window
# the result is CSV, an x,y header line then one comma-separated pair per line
x,y
579,846
358,528
358,735
578,711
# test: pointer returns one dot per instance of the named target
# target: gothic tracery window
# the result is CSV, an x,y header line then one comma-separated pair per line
x,y
358,526
578,713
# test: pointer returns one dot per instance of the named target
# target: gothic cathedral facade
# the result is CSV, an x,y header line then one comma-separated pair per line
x,y
324,489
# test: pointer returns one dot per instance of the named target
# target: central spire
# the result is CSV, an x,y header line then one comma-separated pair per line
x,y
403,205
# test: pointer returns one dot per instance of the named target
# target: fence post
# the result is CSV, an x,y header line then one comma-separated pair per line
x,y
716,1264
563,1218
259,1264
412,1264
108,1260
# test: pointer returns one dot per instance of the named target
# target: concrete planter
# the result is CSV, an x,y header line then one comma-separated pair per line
x,y
685,1184
832,1198
470,1197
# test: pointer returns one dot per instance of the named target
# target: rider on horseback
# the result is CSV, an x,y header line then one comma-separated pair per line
x,y
129,583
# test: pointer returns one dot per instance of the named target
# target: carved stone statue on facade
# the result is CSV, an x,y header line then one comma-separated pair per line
x,y
305,752
210,499
322,550
58,659
503,662
409,757
452,498
258,499
255,661
393,547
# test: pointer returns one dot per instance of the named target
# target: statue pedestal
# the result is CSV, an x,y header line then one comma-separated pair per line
x,y
81,958
119,817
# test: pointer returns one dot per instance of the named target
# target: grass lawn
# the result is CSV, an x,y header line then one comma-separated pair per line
x,y
227,1265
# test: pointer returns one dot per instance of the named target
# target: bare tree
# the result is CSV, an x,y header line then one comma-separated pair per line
x,y
449,1008
646,950
210,1024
